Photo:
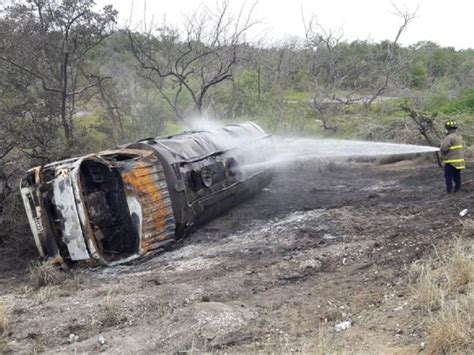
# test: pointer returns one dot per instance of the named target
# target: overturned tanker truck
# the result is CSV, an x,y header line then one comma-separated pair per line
x,y
117,205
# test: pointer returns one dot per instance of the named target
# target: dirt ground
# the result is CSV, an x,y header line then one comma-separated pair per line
x,y
323,244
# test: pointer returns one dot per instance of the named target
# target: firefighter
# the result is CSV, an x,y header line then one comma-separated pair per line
x,y
452,155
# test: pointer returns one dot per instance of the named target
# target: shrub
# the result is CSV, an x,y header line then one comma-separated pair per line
x,y
465,103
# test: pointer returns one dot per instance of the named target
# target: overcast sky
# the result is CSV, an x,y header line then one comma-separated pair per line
x,y
448,23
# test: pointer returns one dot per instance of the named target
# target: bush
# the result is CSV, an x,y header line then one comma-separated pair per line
x,y
463,104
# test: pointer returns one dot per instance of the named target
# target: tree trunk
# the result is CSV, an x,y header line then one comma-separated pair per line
x,y
64,96
259,83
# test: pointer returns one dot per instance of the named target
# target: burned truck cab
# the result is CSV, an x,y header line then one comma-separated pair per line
x,y
117,205
91,207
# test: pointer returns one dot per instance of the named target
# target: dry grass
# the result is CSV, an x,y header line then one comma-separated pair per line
x,y
468,228
444,292
324,343
45,274
75,281
3,319
4,348
46,294
48,282
451,329
460,266
111,313
37,347
427,293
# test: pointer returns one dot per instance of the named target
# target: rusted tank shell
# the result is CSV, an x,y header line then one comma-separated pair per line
x,y
117,205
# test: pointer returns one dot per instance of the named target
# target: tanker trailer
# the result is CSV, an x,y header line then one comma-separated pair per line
x,y
121,204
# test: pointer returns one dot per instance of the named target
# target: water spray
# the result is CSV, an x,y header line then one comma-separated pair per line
x,y
293,149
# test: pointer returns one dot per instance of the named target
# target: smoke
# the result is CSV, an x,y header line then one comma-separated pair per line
x,y
202,123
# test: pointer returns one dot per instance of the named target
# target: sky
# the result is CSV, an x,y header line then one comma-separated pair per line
x,y
447,23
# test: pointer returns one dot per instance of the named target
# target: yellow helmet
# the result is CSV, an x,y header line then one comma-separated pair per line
x,y
451,124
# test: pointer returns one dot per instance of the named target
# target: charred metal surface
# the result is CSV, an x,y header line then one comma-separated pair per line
x,y
149,203
117,205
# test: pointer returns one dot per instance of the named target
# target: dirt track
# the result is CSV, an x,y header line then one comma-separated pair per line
x,y
322,244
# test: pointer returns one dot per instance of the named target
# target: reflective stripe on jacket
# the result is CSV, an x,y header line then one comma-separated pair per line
x,y
452,150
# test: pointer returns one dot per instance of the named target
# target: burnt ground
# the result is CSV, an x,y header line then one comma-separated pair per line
x,y
324,243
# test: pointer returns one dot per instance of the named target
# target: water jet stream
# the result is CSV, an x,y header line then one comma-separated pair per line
x,y
293,149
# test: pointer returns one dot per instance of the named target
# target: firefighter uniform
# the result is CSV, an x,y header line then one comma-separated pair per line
x,y
452,155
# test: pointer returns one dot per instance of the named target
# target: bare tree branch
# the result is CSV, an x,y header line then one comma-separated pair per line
x,y
192,65
390,63
29,71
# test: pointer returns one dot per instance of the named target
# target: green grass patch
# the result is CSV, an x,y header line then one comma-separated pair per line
x,y
295,96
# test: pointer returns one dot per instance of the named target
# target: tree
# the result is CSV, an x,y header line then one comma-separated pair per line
x,y
333,69
49,41
392,63
418,75
426,126
185,68
346,73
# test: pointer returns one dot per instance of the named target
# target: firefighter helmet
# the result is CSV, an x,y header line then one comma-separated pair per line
x,y
451,124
